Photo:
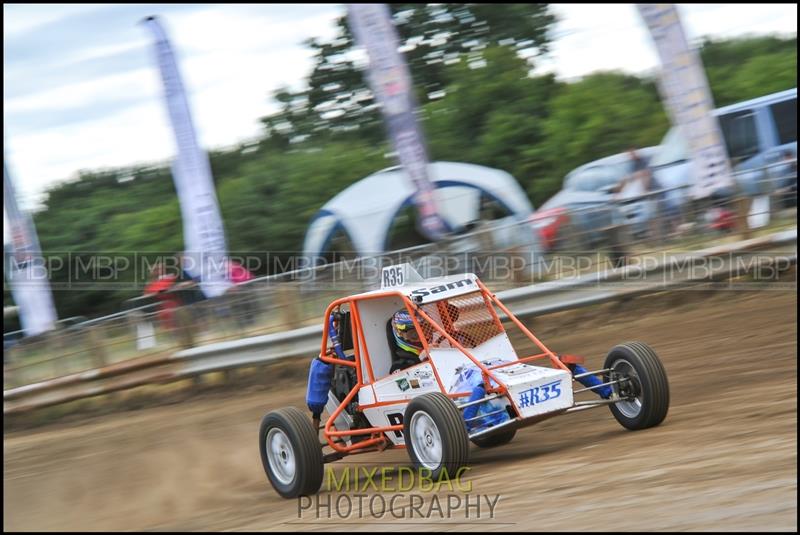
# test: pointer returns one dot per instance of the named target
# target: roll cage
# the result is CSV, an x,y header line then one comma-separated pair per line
x,y
426,326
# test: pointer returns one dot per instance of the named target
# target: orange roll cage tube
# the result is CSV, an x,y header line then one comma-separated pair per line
x,y
379,441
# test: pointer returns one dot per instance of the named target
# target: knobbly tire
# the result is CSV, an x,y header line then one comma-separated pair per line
x,y
291,452
643,385
435,434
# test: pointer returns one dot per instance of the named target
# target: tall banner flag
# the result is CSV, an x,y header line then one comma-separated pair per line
x,y
687,97
390,81
24,267
203,233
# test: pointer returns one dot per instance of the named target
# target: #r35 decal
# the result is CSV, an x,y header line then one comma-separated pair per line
x,y
539,394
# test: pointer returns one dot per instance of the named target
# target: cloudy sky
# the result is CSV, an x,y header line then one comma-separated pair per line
x,y
81,89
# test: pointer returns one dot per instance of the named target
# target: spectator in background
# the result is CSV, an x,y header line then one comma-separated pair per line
x,y
188,285
640,177
237,273
641,171
663,215
160,287
191,294
630,187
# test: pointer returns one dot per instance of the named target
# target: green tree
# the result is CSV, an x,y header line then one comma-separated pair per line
x,y
603,114
268,205
432,36
492,111
464,127
744,68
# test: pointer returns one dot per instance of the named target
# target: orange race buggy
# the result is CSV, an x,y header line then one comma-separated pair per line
x,y
470,384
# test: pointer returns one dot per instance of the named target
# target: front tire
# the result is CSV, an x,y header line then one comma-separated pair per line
x,y
291,453
435,434
643,385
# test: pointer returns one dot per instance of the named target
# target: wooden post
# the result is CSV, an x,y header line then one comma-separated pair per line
x,y
743,204
98,352
183,320
11,376
286,295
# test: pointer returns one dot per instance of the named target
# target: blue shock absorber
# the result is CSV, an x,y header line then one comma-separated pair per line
x,y
479,392
471,412
590,381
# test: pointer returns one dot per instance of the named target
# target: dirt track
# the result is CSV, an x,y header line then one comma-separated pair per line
x,y
724,459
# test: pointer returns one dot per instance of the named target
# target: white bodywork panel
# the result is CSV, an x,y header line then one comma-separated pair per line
x,y
400,386
366,395
374,314
450,362
536,390
406,384
498,346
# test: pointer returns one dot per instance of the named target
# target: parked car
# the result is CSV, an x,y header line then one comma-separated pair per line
x,y
577,217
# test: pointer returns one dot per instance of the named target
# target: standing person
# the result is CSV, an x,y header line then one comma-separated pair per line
x,y
160,285
238,273
187,286
641,183
661,219
623,193
639,180
642,169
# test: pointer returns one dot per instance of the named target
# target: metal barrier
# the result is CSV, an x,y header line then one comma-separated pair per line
x,y
291,300
531,300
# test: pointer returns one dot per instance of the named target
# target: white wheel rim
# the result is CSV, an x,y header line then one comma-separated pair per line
x,y
629,408
426,440
280,456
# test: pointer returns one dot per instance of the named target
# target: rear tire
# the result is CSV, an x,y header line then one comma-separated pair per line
x,y
644,385
435,434
291,453
497,439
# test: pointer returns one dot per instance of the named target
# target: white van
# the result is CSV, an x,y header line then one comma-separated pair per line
x,y
759,134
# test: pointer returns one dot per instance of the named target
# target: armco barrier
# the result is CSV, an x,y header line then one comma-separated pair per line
x,y
532,300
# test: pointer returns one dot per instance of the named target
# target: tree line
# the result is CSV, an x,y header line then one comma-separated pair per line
x,y
481,101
